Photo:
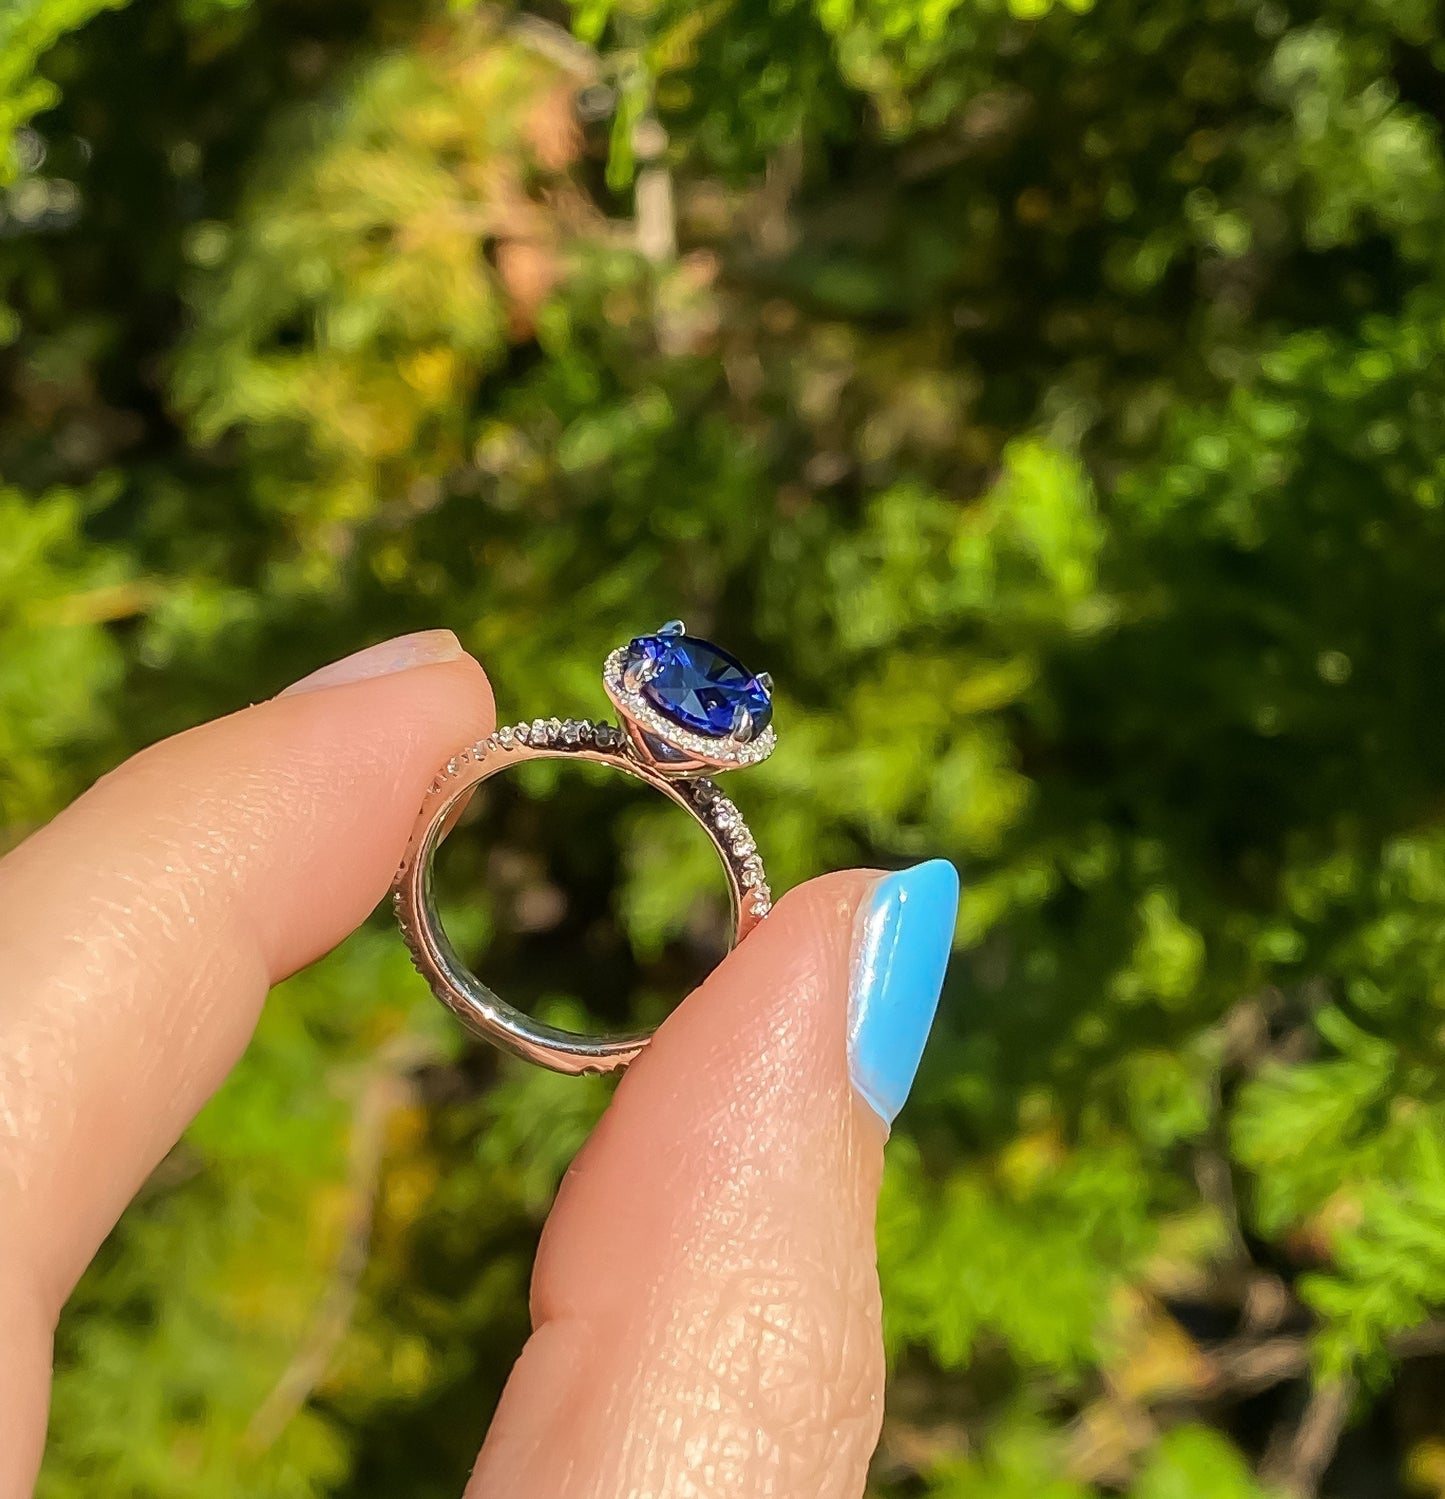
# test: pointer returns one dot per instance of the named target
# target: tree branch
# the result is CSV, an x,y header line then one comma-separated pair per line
x,y
388,1087
1299,1466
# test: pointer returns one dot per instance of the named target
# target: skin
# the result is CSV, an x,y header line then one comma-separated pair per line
x,y
705,1302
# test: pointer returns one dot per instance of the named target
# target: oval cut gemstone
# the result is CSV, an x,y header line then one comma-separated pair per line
x,y
700,686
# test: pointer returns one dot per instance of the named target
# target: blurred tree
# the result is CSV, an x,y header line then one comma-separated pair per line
x,y
1051,395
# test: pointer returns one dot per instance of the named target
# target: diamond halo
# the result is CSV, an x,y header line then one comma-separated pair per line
x,y
702,752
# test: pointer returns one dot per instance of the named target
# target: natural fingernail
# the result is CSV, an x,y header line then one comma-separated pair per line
x,y
900,954
425,648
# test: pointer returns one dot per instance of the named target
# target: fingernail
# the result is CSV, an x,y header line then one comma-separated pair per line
x,y
900,954
425,648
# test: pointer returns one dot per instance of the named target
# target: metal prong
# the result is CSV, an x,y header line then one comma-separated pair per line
x,y
639,670
742,724
673,627
766,679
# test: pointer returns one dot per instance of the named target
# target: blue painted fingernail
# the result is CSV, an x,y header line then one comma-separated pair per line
x,y
900,954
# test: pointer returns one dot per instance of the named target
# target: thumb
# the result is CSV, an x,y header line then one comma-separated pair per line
x,y
706,1300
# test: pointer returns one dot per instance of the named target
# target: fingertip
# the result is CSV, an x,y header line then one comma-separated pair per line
x,y
146,922
715,1242
750,1068
430,708
349,763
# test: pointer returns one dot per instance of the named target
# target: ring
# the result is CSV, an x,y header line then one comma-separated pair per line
x,y
688,711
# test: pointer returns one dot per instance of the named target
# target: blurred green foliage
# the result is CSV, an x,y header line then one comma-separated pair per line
x,y
1053,397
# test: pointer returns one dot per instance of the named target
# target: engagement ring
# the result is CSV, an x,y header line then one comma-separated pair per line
x,y
688,711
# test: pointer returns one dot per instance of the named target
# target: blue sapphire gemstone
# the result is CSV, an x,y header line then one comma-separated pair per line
x,y
700,686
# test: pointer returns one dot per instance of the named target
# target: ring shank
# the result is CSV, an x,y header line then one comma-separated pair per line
x,y
479,1008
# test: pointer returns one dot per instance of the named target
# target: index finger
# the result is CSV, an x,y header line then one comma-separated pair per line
x,y
141,930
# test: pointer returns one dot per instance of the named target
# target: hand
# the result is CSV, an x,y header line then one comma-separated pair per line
x,y
705,1303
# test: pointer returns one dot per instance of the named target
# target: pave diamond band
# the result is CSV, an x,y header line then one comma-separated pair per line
x,y
649,747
